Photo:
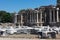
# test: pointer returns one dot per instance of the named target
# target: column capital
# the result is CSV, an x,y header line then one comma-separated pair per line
x,y
57,8
16,14
36,10
54,7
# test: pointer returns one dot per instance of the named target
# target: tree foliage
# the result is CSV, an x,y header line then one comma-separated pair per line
x,y
5,17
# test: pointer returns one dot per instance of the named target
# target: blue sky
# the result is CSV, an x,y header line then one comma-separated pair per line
x,y
16,5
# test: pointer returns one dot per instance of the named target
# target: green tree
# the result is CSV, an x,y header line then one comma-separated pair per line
x,y
5,17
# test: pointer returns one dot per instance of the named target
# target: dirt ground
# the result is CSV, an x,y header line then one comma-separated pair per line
x,y
26,37
29,36
58,36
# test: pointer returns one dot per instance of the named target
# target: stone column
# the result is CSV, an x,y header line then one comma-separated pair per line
x,y
21,20
27,17
41,21
50,15
37,18
45,17
54,15
41,18
30,17
16,18
57,14
34,17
